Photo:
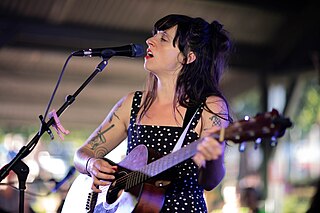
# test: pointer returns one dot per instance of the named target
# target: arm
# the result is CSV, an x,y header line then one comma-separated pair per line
x,y
111,132
210,155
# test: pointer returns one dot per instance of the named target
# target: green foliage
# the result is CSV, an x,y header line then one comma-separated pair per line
x,y
295,203
309,108
246,104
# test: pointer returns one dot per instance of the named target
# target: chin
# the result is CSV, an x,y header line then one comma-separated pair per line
x,y
148,68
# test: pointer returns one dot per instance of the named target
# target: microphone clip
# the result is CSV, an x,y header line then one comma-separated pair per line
x,y
45,127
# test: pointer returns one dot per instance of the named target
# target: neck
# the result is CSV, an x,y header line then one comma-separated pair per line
x,y
166,90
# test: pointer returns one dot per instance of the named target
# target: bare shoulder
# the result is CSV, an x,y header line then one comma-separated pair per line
x,y
217,105
122,108
126,100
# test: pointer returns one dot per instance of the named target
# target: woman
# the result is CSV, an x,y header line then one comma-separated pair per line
x,y
185,59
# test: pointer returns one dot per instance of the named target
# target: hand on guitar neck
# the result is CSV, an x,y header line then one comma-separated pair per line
x,y
209,149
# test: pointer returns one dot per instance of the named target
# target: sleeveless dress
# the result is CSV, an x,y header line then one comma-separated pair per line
x,y
184,193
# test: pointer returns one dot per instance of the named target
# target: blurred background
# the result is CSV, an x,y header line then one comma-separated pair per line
x,y
275,64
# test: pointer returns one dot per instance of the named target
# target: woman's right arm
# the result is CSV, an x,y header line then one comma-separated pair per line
x,y
111,132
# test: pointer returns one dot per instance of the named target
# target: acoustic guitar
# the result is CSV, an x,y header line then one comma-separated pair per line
x,y
139,183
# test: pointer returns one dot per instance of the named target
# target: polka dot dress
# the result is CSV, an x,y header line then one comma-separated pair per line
x,y
184,193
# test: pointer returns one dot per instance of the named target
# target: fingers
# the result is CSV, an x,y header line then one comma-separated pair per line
x,y
100,168
95,188
209,149
102,173
96,183
199,160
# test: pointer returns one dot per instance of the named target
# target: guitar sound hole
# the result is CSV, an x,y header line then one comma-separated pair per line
x,y
116,188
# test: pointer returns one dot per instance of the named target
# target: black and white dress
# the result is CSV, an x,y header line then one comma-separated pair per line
x,y
184,193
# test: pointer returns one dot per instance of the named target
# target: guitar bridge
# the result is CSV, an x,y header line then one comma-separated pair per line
x,y
91,201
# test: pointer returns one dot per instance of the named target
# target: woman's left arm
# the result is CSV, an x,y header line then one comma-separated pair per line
x,y
210,152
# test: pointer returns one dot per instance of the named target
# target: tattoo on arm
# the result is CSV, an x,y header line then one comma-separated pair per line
x,y
216,121
114,113
99,139
101,152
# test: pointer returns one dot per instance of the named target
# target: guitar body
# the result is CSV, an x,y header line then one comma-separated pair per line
x,y
147,197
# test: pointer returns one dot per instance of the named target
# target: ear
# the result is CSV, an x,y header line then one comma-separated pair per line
x,y
191,57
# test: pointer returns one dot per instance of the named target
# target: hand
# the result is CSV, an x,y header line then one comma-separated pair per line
x,y
102,173
209,149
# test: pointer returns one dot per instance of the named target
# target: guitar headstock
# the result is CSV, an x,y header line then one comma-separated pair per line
x,y
263,125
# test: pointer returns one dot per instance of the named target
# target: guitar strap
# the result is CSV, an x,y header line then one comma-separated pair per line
x,y
190,113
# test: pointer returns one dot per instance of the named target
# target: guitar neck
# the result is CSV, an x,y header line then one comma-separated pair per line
x,y
269,124
174,158
156,167
170,160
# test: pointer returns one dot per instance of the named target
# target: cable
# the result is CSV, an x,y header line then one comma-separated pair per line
x,y
54,92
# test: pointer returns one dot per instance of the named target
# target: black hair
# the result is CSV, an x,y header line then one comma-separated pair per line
x,y
197,80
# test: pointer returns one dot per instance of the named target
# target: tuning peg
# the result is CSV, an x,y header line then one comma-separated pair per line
x,y
242,146
273,141
257,142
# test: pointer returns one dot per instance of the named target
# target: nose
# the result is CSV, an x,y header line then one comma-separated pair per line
x,y
150,41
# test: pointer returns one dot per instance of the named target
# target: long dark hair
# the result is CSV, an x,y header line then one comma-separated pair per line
x,y
197,80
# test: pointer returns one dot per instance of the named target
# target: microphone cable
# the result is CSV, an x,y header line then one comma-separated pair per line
x,y
54,92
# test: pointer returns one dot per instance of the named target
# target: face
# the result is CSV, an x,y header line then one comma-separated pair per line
x,y
162,57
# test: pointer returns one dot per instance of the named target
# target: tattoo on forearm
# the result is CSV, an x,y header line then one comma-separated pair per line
x,y
101,152
216,121
99,138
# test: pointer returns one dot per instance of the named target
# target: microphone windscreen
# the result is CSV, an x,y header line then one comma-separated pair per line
x,y
138,50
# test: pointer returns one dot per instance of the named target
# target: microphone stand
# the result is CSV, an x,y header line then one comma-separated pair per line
x,y
16,164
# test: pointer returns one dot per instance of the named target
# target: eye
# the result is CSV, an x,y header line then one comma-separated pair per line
x,y
163,38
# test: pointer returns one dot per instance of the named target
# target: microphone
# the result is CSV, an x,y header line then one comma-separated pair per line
x,y
71,171
131,50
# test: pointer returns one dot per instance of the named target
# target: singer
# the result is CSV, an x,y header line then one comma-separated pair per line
x,y
185,60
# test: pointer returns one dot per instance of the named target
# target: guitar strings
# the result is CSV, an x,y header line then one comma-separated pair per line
x,y
145,170
121,183
133,177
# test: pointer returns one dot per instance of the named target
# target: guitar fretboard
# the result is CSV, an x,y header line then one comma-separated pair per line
x,y
161,165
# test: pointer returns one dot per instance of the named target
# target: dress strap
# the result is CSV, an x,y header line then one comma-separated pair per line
x,y
196,117
135,106
194,121
189,123
189,114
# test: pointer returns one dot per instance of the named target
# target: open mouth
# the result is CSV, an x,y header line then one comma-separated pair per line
x,y
149,53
